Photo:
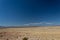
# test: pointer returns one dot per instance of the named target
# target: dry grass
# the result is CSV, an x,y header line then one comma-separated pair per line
x,y
37,33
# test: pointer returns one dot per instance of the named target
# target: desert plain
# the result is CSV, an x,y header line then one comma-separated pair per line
x,y
32,33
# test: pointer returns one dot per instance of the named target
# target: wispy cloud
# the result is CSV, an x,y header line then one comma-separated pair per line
x,y
26,24
35,23
48,23
32,24
40,23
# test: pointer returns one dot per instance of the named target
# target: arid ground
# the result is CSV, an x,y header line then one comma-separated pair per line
x,y
32,33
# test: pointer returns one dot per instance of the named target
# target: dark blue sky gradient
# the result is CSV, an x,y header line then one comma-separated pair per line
x,y
19,12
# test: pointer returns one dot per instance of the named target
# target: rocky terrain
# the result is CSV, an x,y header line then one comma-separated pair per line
x,y
32,33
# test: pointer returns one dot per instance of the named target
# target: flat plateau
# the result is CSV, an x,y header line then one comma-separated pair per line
x,y
32,33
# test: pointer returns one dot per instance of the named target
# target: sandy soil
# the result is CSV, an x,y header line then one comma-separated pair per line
x,y
32,33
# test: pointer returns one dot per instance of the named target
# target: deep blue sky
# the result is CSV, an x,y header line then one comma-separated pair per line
x,y
20,12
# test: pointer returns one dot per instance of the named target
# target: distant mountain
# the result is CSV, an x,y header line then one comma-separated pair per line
x,y
2,26
25,26
17,26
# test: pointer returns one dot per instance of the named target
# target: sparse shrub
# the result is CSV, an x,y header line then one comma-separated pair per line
x,y
25,38
52,39
7,39
1,35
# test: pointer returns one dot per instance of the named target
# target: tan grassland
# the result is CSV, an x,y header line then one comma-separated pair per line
x,y
32,33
